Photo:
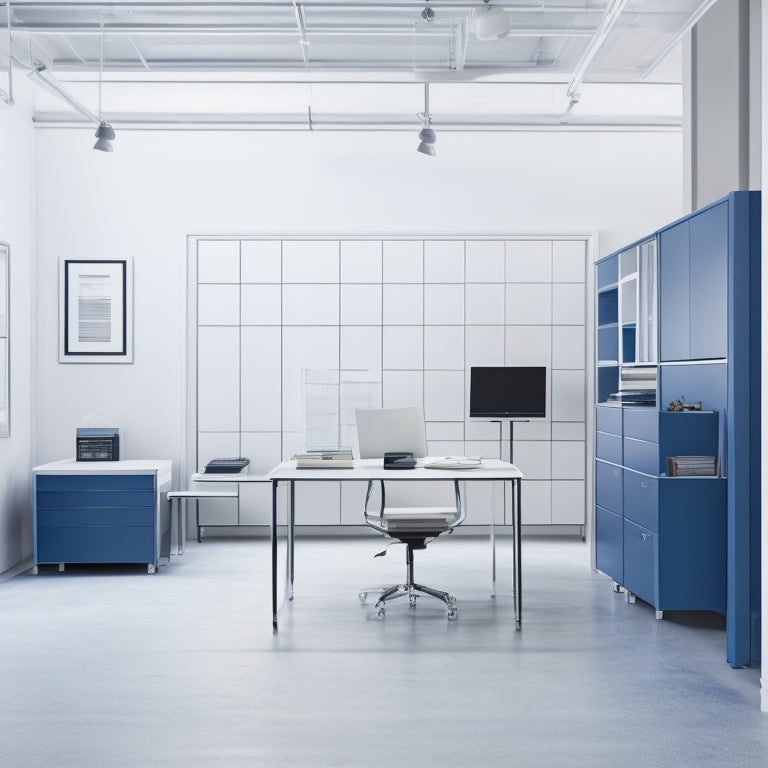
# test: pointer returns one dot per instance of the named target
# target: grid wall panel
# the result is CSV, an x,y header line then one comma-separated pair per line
x,y
413,315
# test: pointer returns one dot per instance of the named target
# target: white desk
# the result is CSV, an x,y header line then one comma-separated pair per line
x,y
372,469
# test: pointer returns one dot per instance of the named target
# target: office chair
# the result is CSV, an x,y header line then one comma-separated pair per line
x,y
398,514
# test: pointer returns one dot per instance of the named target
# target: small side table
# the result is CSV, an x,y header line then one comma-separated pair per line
x,y
181,506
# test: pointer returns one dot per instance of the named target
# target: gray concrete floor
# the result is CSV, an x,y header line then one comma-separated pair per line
x,y
111,666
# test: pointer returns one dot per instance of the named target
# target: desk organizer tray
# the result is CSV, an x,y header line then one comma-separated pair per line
x,y
226,466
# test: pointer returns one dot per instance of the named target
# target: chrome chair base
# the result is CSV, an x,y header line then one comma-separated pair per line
x,y
411,589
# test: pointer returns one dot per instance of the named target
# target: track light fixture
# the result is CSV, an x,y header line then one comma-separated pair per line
x,y
491,22
427,136
104,133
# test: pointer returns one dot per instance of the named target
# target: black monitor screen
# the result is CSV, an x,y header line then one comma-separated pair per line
x,y
508,392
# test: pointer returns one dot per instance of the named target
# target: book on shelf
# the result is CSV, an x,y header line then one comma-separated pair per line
x,y
327,459
691,466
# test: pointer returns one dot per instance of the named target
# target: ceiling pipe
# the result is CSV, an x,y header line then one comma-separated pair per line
x,y
303,122
42,77
607,23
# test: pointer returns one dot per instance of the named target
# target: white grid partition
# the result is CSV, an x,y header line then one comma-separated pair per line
x,y
416,314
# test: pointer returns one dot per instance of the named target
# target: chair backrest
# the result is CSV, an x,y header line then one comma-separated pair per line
x,y
384,430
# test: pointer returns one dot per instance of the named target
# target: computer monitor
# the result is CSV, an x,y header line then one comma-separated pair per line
x,y
387,430
508,392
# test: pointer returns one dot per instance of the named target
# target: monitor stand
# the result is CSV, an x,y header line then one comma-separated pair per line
x,y
500,422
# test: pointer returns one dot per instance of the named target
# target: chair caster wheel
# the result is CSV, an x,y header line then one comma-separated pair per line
x,y
380,613
363,597
453,614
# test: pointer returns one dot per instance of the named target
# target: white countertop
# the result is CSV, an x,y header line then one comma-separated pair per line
x,y
129,467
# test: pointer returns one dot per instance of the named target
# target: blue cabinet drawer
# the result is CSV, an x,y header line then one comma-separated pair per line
x,y
641,456
641,499
609,544
640,546
67,499
608,447
608,419
642,424
100,516
79,482
95,545
608,486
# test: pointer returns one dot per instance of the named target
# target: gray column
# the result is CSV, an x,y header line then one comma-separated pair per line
x,y
722,84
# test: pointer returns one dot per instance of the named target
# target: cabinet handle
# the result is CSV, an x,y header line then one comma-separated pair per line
x,y
644,484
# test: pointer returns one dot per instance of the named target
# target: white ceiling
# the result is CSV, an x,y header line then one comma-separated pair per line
x,y
343,64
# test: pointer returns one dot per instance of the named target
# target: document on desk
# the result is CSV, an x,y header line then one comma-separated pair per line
x,y
454,462
341,459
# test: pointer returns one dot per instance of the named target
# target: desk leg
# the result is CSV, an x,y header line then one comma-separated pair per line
x,y
518,555
291,541
493,556
274,554
182,513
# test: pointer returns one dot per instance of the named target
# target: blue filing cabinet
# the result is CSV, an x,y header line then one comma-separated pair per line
x,y
102,512
661,538
689,542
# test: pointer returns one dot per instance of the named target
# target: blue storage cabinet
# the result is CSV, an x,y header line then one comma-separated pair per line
x,y
686,542
102,512
693,286
660,538
607,352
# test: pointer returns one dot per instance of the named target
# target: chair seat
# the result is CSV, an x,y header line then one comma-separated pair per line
x,y
422,519
424,513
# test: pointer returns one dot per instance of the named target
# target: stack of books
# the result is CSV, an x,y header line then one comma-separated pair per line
x,y
330,459
691,466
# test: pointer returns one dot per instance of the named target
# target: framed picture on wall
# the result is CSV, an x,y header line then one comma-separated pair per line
x,y
95,311
5,378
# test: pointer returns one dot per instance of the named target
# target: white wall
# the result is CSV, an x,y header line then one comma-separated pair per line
x,y
16,178
157,187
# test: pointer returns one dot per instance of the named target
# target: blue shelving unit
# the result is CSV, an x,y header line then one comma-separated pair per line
x,y
655,534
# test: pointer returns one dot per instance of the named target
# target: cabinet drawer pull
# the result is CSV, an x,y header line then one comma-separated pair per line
x,y
644,484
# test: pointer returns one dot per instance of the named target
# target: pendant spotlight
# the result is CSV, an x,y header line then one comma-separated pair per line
x,y
427,136
491,22
104,133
